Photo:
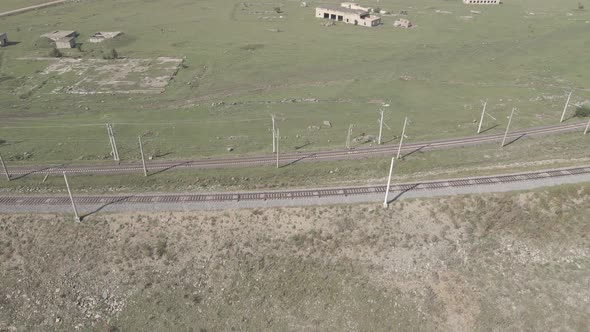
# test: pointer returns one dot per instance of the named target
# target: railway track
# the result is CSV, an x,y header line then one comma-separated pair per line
x,y
290,194
290,158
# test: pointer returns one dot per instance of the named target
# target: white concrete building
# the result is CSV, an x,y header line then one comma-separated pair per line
x,y
348,16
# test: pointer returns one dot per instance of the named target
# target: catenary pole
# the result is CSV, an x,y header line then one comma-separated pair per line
x,y
142,157
587,128
508,127
385,202
5,169
401,141
380,128
274,134
111,140
483,112
278,138
77,218
565,107
115,144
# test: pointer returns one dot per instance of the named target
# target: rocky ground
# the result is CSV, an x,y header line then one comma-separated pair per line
x,y
518,261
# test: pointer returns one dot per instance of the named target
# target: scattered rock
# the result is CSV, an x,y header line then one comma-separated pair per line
x,y
328,124
230,149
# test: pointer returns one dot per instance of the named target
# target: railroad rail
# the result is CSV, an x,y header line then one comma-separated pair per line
x,y
185,198
290,158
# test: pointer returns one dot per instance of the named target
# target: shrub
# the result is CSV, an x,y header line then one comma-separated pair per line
x,y
161,248
582,112
55,53
580,6
111,55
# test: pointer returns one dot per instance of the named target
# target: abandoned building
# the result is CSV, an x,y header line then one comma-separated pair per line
x,y
60,34
347,15
62,38
67,42
402,23
354,5
3,39
101,36
483,2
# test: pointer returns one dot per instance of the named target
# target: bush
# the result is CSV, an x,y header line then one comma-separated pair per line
x,y
55,53
582,112
161,248
580,6
278,10
111,55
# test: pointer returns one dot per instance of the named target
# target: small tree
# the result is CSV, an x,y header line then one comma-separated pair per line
x,y
110,55
55,53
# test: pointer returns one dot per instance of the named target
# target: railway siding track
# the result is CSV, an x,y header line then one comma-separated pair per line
x,y
291,194
290,158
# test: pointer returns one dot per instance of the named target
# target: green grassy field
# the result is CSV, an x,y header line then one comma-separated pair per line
x,y
567,150
527,54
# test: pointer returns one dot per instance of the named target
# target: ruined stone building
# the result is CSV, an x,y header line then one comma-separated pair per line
x,y
62,39
67,42
403,23
482,2
3,39
101,36
354,5
348,15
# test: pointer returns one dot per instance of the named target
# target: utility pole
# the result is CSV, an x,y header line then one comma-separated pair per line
x,y
587,127
348,137
278,138
114,150
565,107
274,134
4,167
508,127
482,115
401,141
380,128
142,157
77,218
385,202
111,140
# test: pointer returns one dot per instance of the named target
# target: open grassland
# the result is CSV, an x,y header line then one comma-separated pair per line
x,y
478,263
244,61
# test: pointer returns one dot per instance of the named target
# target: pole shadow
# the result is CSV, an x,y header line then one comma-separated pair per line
x,y
514,140
302,146
488,129
414,151
12,43
401,193
168,168
389,140
298,160
102,207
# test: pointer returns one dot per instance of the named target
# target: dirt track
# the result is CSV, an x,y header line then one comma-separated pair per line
x,y
30,8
